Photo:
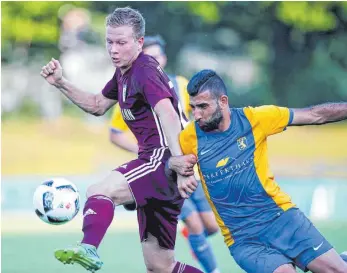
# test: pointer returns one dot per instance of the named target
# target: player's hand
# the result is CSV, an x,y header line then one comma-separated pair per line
x,y
52,72
186,185
183,165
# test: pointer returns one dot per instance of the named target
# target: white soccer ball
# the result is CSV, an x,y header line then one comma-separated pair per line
x,y
56,201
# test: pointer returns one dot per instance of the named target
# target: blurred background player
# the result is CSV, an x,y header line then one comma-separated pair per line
x,y
196,212
77,42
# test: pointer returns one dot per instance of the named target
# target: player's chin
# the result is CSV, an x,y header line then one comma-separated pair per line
x,y
116,65
203,127
201,124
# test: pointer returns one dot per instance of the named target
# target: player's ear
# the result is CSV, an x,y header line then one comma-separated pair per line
x,y
224,101
140,43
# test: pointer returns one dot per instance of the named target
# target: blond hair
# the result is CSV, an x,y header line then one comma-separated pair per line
x,y
127,17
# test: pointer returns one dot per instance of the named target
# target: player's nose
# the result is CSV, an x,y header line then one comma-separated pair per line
x,y
114,49
197,115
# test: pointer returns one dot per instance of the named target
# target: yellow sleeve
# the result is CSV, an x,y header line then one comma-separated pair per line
x,y
188,140
272,119
117,122
182,85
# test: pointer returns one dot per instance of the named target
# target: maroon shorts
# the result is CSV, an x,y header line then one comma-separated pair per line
x,y
158,201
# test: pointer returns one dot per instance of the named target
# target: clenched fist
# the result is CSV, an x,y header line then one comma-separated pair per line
x,y
52,72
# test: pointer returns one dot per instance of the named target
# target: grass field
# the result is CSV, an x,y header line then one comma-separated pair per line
x,y
120,251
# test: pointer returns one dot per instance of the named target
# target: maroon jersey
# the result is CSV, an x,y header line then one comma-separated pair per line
x,y
137,92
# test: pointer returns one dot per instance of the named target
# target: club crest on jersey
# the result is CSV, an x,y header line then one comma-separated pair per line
x,y
124,91
242,143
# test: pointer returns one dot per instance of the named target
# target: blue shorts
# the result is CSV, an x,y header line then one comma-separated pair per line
x,y
290,239
196,202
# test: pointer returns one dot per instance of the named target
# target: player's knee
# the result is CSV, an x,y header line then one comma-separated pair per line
x,y
115,187
339,269
286,268
97,189
209,222
194,224
212,228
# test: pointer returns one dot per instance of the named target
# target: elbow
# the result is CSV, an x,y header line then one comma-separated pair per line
x,y
321,119
114,139
317,117
98,107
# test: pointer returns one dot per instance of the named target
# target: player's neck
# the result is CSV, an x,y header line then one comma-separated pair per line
x,y
226,121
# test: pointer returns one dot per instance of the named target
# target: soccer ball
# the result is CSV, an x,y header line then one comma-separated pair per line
x,y
56,201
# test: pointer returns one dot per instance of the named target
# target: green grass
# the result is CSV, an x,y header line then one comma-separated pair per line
x,y
120,251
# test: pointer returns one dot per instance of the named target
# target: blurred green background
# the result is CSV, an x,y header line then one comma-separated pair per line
x,y
286,53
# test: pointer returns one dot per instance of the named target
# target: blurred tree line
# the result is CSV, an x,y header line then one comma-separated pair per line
x,y
299,46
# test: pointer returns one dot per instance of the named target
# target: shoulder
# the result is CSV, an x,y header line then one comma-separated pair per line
x,y
145,67
249,111
265,110
145,62
189,134
188,139
189,129
253,113
110,90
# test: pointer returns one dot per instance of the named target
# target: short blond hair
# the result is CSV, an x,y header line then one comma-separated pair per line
x,y
127,17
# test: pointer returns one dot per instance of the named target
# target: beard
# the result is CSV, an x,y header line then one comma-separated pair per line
x,y
213,123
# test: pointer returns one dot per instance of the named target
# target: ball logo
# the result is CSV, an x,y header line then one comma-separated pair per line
x,y
48,201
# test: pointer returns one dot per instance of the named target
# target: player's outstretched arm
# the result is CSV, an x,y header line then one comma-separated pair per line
x,y
94,104
320,114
